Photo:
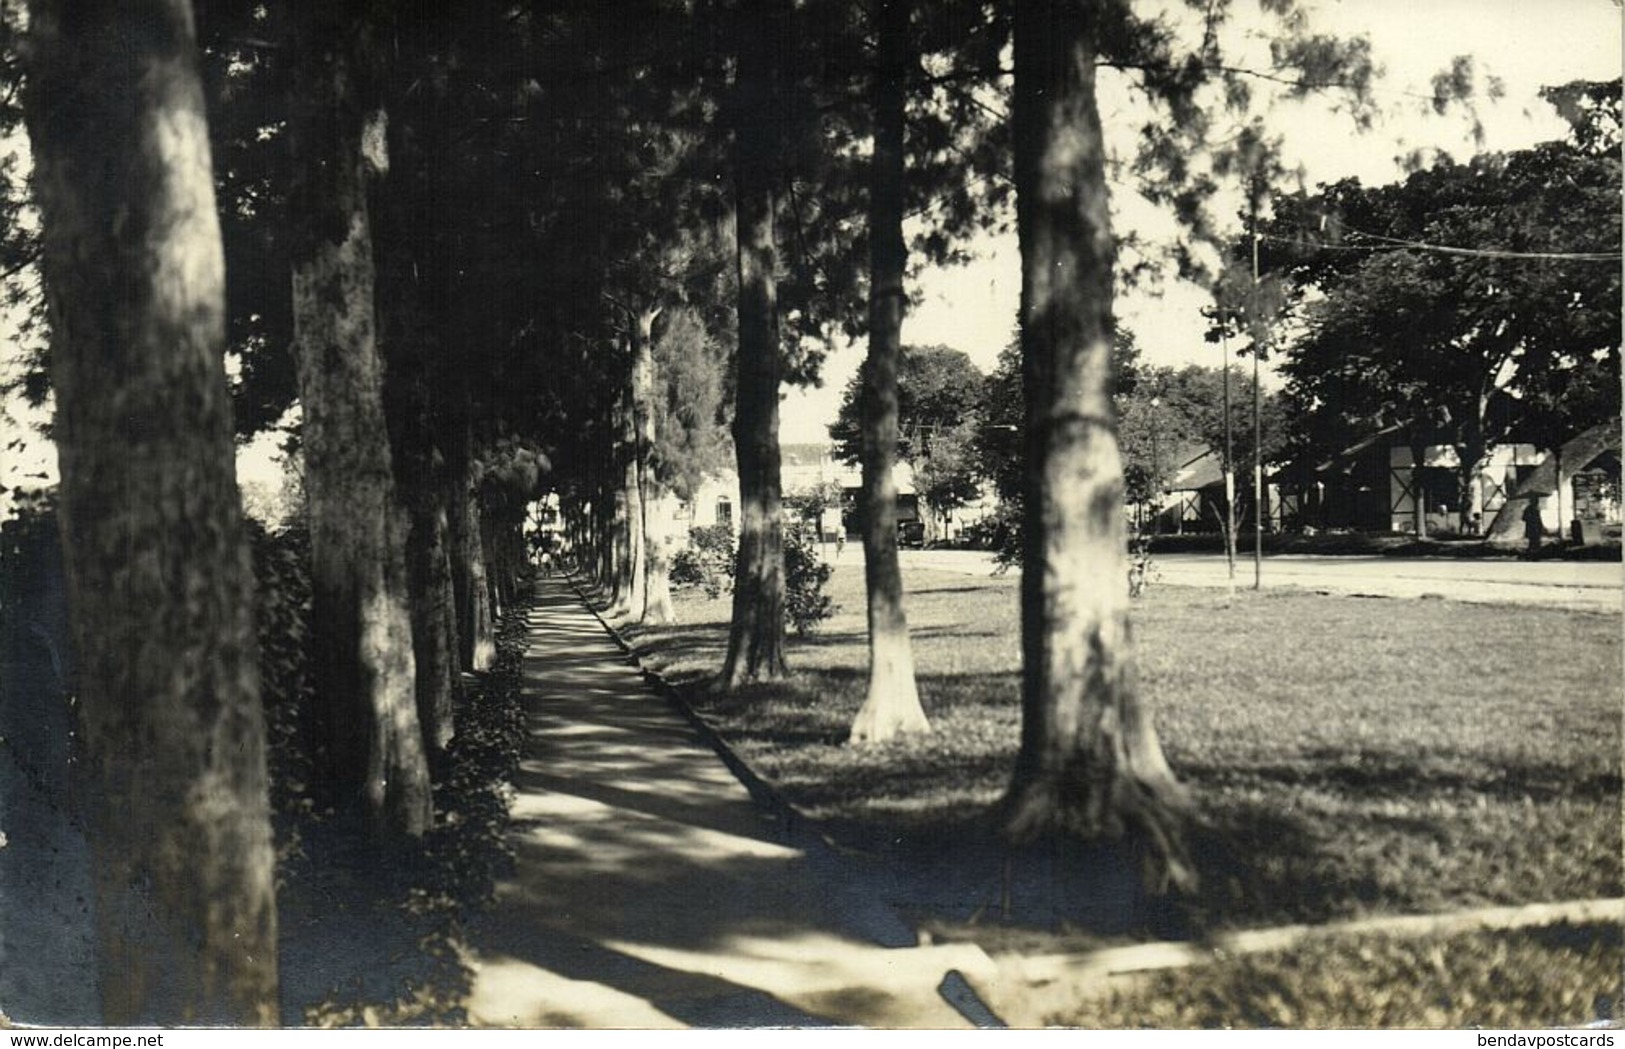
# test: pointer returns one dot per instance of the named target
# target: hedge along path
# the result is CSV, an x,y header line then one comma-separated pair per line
x,y
1031,987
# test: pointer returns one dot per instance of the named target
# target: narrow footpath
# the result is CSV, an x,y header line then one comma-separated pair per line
x,y
649,890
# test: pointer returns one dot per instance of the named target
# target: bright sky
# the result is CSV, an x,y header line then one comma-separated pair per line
x,y
1526,44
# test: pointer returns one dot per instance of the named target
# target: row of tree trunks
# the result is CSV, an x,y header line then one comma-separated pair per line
x,y
632,585
620,483
651,589
756,633
434,609
417,414
1089,764
420,468
481,630
159,580
370,742
892,704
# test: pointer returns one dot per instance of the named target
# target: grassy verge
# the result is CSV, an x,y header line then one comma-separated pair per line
x,y
1348,757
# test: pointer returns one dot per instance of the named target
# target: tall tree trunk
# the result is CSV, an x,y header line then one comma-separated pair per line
x,y
461,530
433,601
609,541
756,633
494,560
632,482
1471,452
417,422
159,582
622,483
892,704
659,608
1089,764
481,633
646,548
372,742
1419,503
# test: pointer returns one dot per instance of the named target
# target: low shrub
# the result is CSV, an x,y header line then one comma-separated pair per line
x,y
805,576
707,562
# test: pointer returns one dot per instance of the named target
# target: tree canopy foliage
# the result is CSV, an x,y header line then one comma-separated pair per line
x,y
1472,303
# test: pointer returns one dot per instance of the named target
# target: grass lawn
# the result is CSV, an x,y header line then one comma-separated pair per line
x,y
1348,756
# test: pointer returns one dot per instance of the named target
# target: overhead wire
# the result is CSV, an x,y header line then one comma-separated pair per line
x,y
1386,243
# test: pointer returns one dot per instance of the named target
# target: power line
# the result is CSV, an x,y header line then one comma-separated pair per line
x,y
1493,253
1397,244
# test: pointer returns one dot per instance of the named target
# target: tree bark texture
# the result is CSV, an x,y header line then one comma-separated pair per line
x,y
659,514
481,630
373,753
622,483
421,469
647,605
417,426
461,533
1089,764
159,582
633,463
756,633
892,704
434,618
1419,513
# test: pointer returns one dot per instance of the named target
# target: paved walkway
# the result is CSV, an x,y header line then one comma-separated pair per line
x,y
649,889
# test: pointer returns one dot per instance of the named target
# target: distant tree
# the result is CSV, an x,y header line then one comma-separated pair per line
x,y
1483,303
999,444
158,572
939,424
1190,411
815,502
938,388
689,433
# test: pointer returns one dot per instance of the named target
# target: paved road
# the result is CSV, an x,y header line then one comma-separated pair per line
x,y
1591,585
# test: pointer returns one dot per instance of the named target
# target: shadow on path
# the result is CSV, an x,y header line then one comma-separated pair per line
x,y
649,890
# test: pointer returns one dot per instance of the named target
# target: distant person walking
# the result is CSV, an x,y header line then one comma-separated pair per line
x,y
1534,529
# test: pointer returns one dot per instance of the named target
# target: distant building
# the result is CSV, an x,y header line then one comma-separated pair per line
x,y
803,469
1194,500
1375,486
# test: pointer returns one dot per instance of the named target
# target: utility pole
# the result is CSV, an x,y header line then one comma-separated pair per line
x,y
1156,472
1258,425
1229,460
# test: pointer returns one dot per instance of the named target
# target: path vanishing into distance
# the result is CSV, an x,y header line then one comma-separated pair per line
x,y
650,890
1588,585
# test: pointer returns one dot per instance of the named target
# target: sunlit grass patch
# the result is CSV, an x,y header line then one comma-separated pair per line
x,y
1347,756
